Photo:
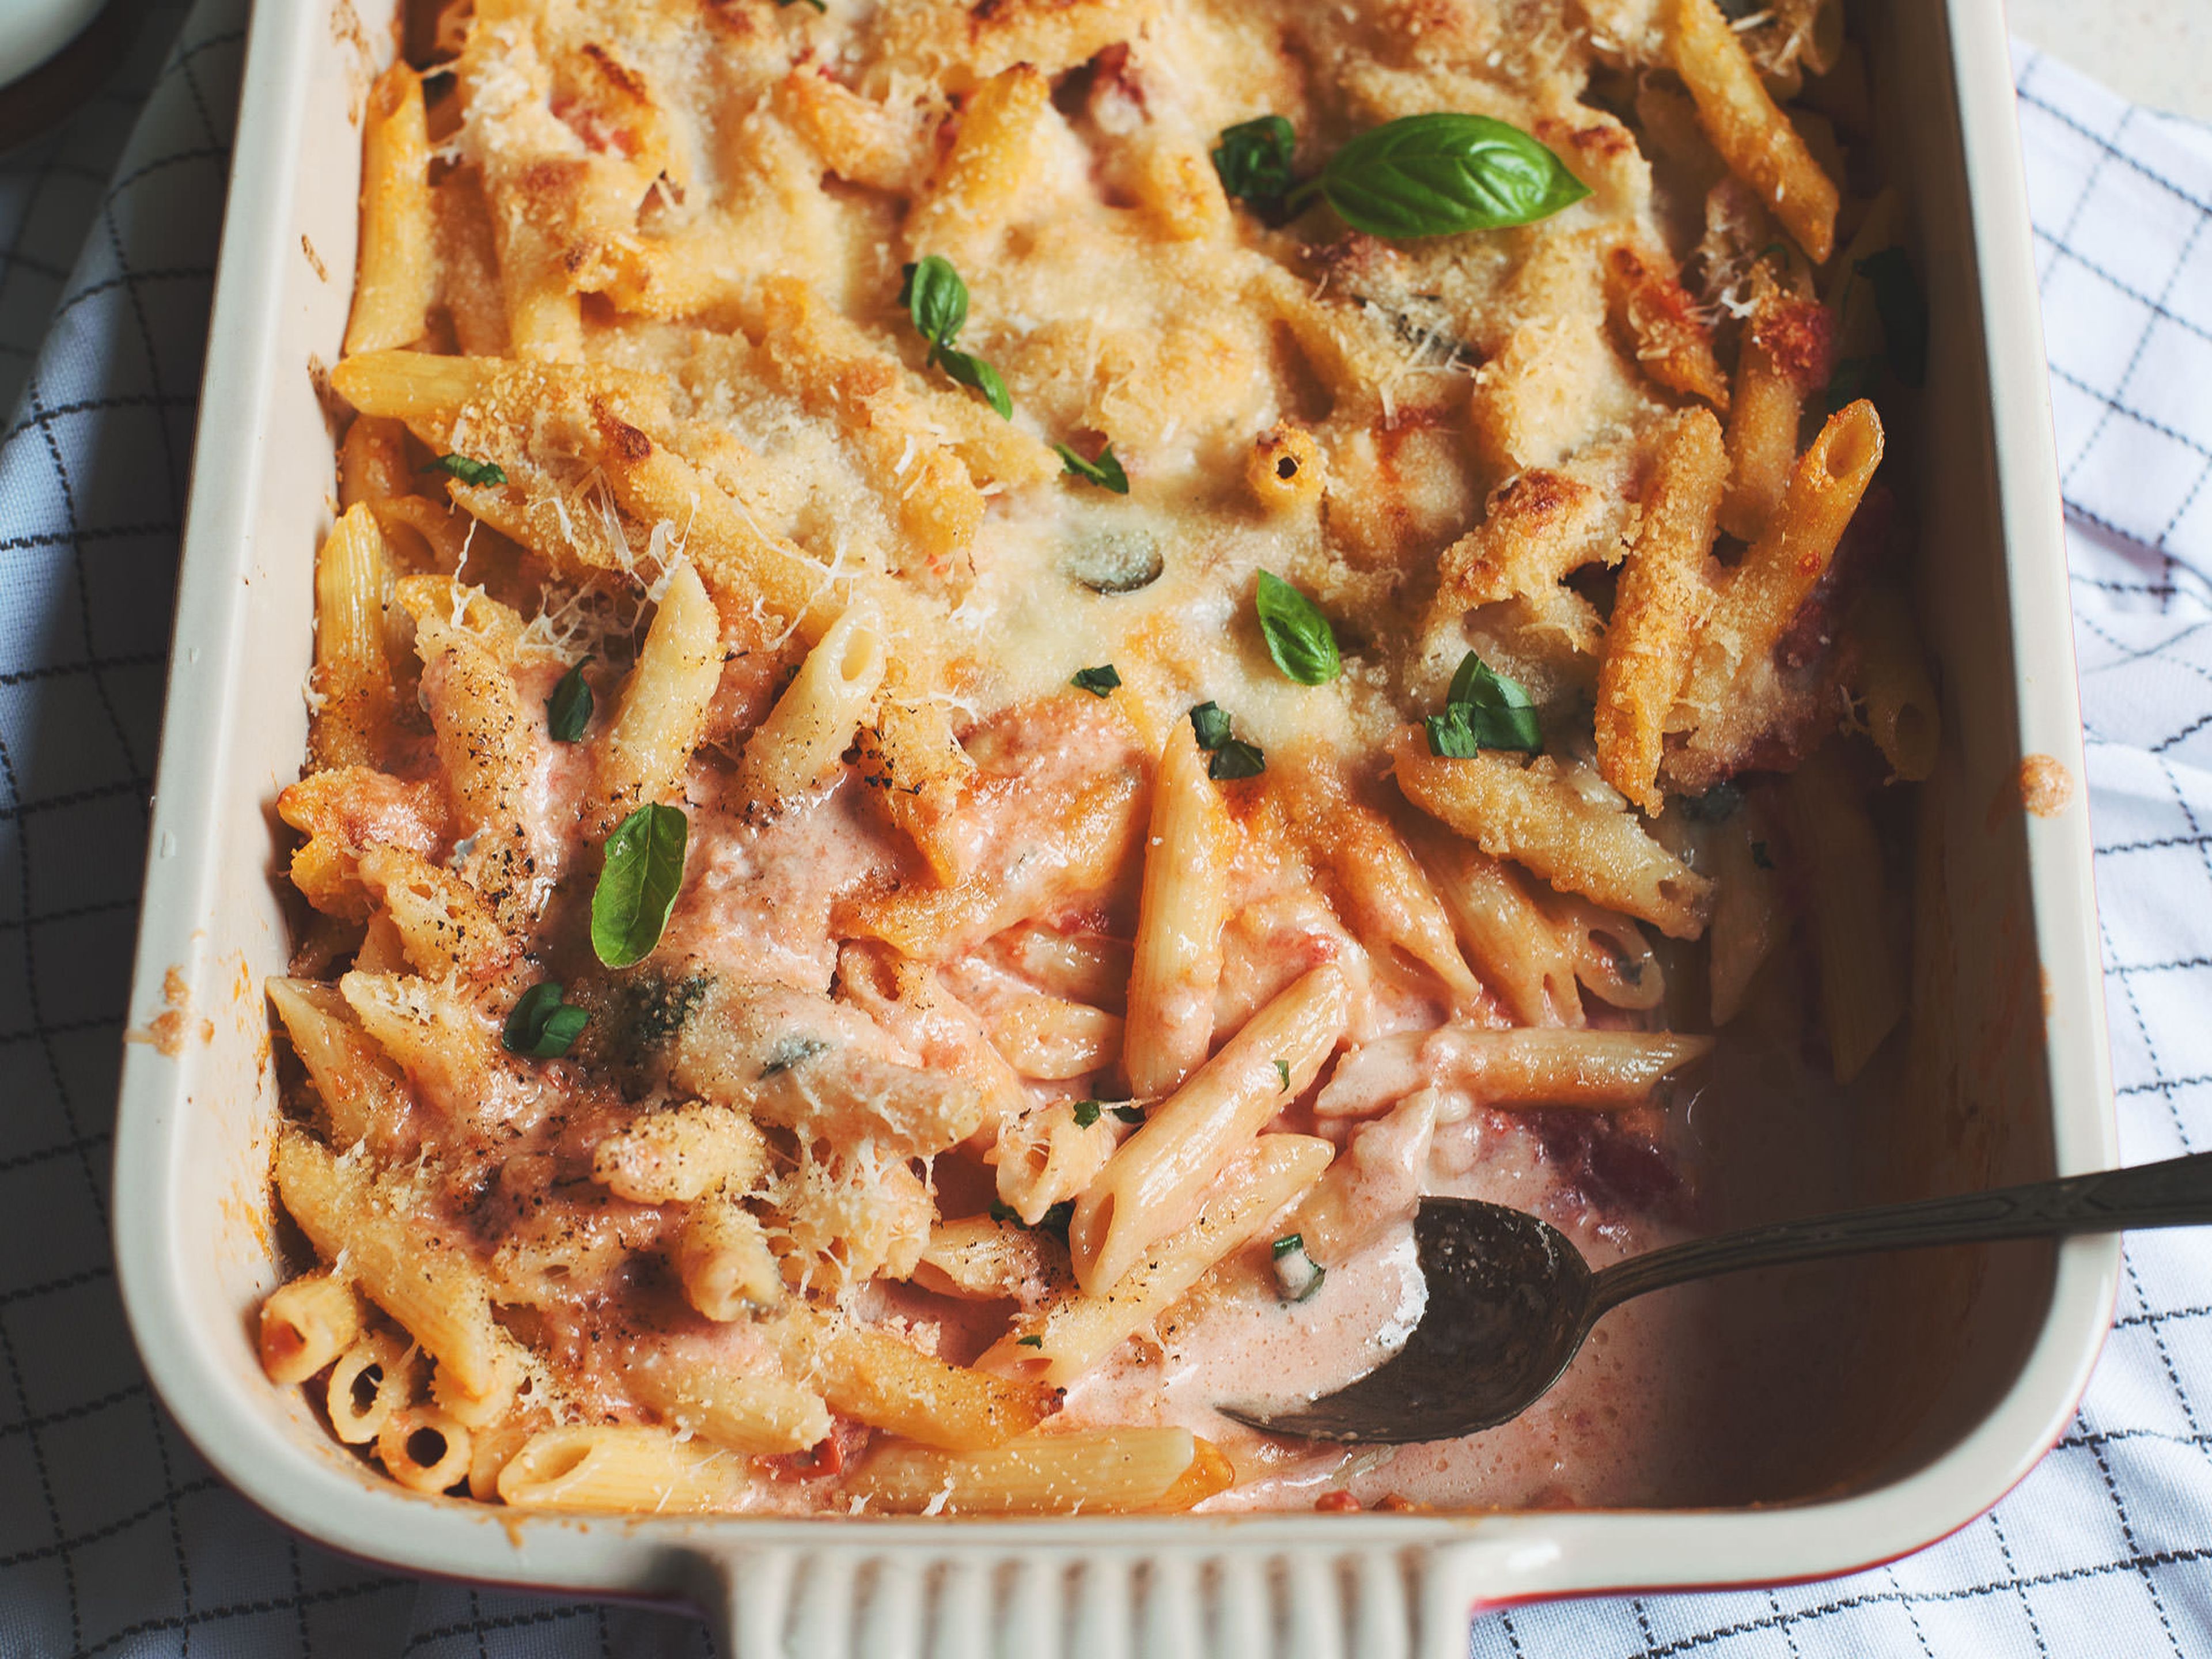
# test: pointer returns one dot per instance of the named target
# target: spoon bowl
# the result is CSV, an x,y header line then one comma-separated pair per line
x,y
1509,1303
1511,1299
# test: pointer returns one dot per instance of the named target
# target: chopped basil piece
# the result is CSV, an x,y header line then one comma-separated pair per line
x,y
1105,471
937,301
1233,757
1483,710
1053,1220
1005,1213
541,1025
1443,172
1283,1070
816,4
792,1051
638,884
1086,1113
568,710
1029,1342
1236,759
1903,309
1210,725
1717,802
1759,855
1299,636
1099,682
1297,1275
1130,1114
469,471
1254,160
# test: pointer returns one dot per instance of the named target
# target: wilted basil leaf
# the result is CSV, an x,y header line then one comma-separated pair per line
x,y
1903,309
1105,471
1086,1113
638,885
1236,759
1299,637
1210,725
568,710
1254,160
1130,1114
541,1025
1443,172
1852,378
1099,682
1483,710
469,471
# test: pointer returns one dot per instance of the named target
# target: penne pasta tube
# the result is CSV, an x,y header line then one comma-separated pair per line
x,y
723,1258
1151,1187
1543,815
1613,960
701,1393
869,1374
1507,936
1049,1038
993,160
362,1092
1779,570
1894,687
1784,359
981,1259
815,721
1076,1329
1749,917
664,704
353,677
396,281
680,1153
369,1382
1101,1472
423,1279
443,925
625,1469
305,1323
1598,1071
1660,603
1753,136
1185,901
372,464
423,1448
1861,962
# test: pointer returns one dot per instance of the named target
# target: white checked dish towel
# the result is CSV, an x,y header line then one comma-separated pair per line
x,y
114,1537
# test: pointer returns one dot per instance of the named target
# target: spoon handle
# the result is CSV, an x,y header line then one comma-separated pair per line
x,y
2177,1193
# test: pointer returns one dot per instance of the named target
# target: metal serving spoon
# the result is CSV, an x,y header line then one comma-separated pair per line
x,y
1510,1298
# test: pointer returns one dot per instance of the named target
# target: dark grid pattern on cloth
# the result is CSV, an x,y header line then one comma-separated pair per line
x,y
116,1540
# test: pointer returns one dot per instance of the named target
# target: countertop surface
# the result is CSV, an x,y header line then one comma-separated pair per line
x,y
2151,52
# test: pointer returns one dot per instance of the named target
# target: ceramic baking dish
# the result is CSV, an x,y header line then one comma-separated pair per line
x,y
1981,1353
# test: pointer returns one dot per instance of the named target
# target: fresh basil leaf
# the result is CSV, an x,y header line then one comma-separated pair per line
x,y
1236,759
1903,309
1299,637
1483,710
469,471
1100,682
1086,1113
974,371
1130,1114
1440,174
936,299
1210,725
1254,160
638,884
568,710
541,1025
1105,471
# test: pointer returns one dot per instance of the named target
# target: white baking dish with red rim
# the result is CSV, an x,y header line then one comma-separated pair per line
x,y
2014,1005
